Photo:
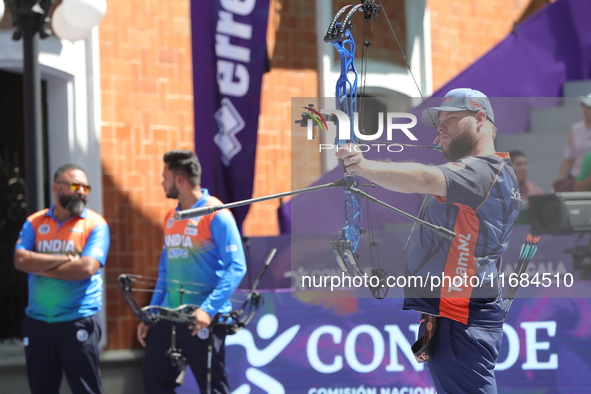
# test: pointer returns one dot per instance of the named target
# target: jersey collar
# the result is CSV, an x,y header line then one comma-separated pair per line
x,y
51,214
201,202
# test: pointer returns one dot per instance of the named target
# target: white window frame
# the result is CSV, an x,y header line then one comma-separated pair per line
x,y
72,73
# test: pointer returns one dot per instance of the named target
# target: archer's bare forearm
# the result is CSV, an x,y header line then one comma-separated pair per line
x,y
405,177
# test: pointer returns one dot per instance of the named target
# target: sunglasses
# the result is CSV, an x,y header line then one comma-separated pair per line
x,y
75,186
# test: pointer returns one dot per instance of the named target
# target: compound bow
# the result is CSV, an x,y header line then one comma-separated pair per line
x,y
233,321
345,248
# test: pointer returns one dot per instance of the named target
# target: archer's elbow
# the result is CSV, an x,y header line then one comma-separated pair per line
x,y
432,182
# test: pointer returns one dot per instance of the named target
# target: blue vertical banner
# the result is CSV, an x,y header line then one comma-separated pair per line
x,y
229,59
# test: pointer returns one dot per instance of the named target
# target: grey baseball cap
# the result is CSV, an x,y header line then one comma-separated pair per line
x,y
461,99
586,100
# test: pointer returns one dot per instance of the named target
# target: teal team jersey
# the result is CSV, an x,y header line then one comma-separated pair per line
x,y
55,300
206,251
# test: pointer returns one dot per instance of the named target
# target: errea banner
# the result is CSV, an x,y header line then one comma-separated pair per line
x,y
355,346
229,59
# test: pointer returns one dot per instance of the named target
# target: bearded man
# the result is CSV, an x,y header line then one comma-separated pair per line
x,y
476,195
63,249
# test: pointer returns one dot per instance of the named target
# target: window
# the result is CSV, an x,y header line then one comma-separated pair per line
x,y
13,206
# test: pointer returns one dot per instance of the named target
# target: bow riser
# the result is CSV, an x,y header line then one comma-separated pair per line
x,y
346,87
338,34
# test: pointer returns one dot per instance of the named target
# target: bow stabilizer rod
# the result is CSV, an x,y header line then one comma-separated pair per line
x,y
202,211
442,231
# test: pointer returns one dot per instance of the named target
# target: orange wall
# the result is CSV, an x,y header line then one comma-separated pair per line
x,y
147,109
464,30
291,39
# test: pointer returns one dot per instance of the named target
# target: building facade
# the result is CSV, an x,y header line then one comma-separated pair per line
x,y
115,102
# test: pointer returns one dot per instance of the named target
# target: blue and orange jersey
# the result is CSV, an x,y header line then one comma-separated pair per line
x,y
482,202
55,300
206,251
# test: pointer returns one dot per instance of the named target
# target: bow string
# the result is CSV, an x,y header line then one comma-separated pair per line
x,y
346,96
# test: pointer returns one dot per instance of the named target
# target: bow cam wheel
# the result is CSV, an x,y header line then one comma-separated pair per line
x,y
381,289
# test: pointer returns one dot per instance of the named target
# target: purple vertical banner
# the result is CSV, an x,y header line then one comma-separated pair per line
x,y
229,59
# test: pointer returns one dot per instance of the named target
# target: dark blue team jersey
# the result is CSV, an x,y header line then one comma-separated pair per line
x,y
482,202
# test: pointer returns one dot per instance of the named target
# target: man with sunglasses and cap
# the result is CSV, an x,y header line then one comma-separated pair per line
x,y
476,195
63,249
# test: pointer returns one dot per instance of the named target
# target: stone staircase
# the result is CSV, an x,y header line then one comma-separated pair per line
x,y
548,134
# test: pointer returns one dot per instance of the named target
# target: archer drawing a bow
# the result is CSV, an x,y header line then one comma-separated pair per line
x,y
346,100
